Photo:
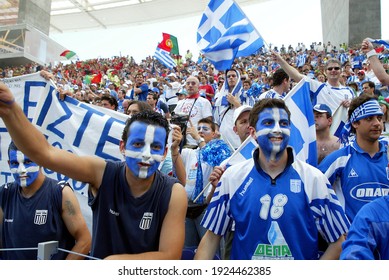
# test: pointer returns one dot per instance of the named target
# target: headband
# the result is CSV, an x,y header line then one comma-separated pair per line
x,y
367,109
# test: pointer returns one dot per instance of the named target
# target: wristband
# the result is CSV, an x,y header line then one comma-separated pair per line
x,y
371,53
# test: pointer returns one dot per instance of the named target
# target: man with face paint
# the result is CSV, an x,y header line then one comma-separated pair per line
x,y
359,171
35,208
279,204
138,212
203,133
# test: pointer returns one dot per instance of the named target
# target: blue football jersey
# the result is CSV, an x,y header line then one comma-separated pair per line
x,y
356,177
276,218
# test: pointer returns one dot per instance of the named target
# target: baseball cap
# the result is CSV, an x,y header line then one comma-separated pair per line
x,y
361,72
172,75
322,108
239,111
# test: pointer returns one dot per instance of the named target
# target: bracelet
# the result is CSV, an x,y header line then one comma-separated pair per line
x,y
371,53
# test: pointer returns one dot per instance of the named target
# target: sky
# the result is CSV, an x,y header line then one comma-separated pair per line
x,y
276,26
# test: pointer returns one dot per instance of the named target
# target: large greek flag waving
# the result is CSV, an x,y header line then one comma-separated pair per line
x,y
303,131
225,33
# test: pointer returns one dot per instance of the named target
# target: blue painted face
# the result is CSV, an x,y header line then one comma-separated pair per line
x,y
145,148
25,171
273,131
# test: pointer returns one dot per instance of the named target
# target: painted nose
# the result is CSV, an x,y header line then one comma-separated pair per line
x,y
146,155
277,128
22,168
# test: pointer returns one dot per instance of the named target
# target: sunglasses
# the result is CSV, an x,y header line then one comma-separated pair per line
x,y
333,68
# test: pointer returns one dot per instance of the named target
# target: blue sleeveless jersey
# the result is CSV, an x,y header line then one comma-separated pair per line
x,y
123,224
275,218
356,177
368,237
29,221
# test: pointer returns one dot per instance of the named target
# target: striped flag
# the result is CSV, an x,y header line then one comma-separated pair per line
x,y
225,32
68,54
303,131
165,58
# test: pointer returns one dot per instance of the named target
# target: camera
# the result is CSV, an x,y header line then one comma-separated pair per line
x,y
179,119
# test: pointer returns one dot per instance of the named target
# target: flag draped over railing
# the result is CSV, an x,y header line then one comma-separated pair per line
x,y
225,32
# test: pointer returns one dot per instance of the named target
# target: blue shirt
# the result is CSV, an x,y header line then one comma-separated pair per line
x,y
368,237
356,177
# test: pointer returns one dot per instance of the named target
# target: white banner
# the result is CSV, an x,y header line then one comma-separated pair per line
x,y
72,125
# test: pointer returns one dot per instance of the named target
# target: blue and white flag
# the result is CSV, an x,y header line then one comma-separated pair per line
x,y
225,33
165,58
339,119
303,131
380,42
244,152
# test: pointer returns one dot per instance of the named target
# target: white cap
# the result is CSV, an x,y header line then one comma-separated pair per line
x,y
172,75
240,110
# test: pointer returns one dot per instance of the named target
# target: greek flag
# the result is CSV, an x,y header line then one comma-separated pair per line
x,y
165,58
380,42
225,33
339,119
303,132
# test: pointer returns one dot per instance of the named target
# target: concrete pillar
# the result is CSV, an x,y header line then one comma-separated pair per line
x,y
350,21
35,13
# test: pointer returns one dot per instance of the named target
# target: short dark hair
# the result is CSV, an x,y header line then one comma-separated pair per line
x,y
112,100
143,106
370,83
148,117
266,103
279,76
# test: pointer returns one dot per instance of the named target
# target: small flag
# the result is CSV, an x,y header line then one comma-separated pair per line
x,y
225,32
68,54
164,57
302,121
244,152
339,119
169,43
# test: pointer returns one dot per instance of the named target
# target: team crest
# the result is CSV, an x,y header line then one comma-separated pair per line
x,y
145,223
354,174
40,217
295,185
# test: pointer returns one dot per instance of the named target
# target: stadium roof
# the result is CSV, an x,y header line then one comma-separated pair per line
x,y
81,15
76,15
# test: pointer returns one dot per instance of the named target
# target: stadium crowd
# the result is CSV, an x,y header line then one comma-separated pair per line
x,y
232,106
